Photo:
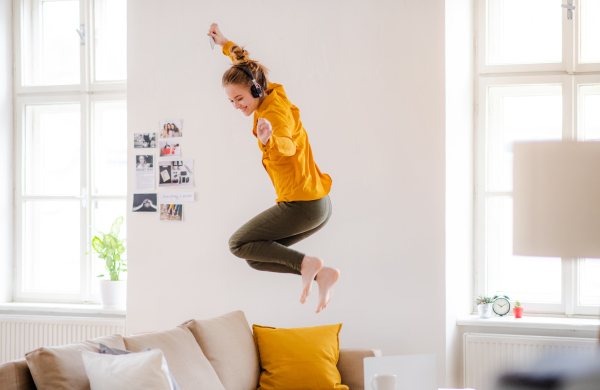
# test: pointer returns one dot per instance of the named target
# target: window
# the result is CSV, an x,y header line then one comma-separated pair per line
x,y
538,78
70,142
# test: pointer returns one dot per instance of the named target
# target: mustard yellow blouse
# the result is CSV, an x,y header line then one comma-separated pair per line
x,y
287,156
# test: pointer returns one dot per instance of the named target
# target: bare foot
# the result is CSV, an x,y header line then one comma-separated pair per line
x,y
310,267
326,279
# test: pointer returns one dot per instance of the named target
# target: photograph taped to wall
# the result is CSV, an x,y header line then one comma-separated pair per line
x,y
170,148
145,203
170,128
176,173
144,140
144,172
171,212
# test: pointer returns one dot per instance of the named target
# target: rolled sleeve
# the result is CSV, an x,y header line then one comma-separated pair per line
x,y
226,48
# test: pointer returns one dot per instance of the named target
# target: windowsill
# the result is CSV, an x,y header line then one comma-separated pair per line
x,y
61,309
528,322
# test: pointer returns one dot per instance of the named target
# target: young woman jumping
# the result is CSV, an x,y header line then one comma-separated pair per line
x,y
303,206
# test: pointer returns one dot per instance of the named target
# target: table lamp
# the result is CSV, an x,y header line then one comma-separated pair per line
x,y
556,199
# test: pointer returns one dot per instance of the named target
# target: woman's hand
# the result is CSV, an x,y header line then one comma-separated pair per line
x,y
217,35
264,130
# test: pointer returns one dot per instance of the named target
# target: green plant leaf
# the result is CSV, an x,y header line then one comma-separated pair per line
x,y
97,244
110,242
101,276
120,248
116,227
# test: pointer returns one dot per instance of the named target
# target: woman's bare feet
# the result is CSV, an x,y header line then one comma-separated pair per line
x,y
309,269
326,279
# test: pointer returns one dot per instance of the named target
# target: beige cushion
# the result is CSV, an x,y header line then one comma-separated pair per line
x,y
184,357
15,375
351,367
62,367
228,344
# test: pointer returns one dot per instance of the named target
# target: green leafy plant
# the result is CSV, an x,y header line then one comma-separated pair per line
x,y
110,249
482,299
517,304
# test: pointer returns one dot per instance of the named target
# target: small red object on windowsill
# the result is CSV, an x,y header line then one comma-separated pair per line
x,y
518,312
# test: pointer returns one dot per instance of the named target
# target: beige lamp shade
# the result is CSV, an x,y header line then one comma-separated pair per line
x,y
556,199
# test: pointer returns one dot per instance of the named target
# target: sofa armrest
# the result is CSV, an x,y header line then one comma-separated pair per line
x,y
15,375
351,368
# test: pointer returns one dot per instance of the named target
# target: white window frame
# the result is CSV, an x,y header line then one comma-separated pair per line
x,y
569,75
571,30
85,93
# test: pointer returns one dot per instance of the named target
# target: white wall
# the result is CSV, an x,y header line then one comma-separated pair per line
x,y
6,151
459,178
368,78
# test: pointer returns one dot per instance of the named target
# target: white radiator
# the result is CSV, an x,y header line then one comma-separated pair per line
x,y
488,355
21,333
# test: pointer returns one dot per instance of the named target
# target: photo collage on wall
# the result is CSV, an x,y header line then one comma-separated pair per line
x,y
173,171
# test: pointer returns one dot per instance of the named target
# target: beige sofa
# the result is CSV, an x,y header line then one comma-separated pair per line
x,y
214,354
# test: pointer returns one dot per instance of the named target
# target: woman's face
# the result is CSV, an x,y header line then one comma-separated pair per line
x,y
142,160
241,99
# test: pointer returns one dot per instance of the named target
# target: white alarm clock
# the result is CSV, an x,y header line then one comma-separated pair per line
x,y
501,305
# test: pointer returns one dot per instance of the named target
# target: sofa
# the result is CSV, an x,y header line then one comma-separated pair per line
x,y
214,354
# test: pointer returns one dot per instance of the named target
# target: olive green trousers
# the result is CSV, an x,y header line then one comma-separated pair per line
x,y
264,240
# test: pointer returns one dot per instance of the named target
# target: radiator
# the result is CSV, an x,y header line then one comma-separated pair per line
x,y
21,333
488,355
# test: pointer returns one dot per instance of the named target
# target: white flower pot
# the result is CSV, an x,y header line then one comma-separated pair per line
x,y
113,294
485,310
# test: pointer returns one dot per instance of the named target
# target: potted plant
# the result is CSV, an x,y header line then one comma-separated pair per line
x,y
484,306
109,249
518,310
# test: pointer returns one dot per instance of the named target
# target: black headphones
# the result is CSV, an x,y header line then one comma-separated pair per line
x,y
256,89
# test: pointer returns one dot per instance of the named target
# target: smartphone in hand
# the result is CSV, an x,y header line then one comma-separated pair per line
x,y
212,42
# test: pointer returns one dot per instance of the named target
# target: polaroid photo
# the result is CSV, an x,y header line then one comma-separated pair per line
x,y
144,140
145,203
144,172
176,173
170,148
171,212
170,128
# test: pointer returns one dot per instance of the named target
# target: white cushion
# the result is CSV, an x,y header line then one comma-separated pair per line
x,y
143,371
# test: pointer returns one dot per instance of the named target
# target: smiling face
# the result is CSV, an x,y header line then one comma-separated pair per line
x,y
241,98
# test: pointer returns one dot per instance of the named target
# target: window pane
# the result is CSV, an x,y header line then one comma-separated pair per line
x,y
524,32
52,246
589,281
51,46
589,112
590,31
110,18
110,148
104,213
526,279
52,149
518,113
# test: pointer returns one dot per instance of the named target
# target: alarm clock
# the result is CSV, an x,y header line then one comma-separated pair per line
x,y
501,305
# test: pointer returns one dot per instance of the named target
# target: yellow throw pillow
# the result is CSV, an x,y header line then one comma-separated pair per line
x,y
299,358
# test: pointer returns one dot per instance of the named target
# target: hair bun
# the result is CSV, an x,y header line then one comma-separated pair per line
x,y
240,56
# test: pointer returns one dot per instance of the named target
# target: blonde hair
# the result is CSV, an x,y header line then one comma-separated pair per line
x,y
238,76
